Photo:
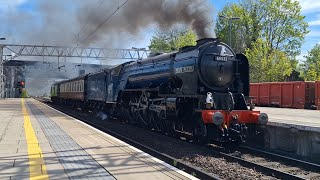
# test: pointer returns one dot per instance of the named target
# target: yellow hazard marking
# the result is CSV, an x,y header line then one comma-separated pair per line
x,y
37,166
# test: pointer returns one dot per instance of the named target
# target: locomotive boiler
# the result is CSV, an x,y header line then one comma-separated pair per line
x,y
200,91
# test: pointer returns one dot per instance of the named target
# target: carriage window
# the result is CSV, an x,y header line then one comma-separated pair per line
x,y
81,87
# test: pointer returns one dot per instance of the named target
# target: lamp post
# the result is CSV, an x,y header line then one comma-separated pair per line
x,y
230,25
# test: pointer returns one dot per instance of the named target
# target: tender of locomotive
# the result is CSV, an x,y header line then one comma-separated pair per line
x,y
200,91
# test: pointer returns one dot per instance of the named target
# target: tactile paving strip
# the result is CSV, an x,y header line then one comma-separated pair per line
x,y
78,164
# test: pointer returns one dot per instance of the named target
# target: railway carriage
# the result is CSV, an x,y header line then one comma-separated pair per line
x,y
72,91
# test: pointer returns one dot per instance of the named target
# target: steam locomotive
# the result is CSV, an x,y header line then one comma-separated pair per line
x,y
200,91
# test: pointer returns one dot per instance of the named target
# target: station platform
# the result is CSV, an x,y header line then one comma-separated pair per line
x,y
296,131
38,142
300,119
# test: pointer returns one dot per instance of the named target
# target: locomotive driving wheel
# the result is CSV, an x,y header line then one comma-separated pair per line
x,y
138,108
132,114
157,116
152,117
199,133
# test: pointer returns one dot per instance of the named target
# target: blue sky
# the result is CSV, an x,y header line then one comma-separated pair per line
x,y
310,8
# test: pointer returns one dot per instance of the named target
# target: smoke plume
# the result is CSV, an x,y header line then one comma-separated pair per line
x,y
68,22
135,15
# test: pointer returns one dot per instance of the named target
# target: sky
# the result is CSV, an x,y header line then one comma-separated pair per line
x,y
310,9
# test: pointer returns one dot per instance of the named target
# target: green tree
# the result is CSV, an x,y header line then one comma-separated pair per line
x,y
172,40
267,65
278,22
246,30
284,26
311,66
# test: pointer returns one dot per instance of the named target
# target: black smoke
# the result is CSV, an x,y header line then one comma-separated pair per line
x,y
136,15
70,22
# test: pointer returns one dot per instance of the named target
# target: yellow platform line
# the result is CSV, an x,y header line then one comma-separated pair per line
x,y
37,166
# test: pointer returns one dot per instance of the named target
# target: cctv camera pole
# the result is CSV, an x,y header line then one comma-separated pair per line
x,y
230,25
1,74
230,29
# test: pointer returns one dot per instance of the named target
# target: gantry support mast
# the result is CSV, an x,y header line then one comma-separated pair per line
x,y
64,51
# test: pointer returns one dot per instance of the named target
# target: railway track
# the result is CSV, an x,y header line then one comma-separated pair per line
x,y
283,165
270,164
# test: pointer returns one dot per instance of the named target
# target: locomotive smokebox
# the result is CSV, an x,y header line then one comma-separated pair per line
x,y
215,64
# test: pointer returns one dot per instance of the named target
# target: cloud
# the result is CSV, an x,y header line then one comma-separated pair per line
x,y
301,56
314,23
310,6
7,4
313,33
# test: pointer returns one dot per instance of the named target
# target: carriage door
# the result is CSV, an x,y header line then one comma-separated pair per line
x,y
109,87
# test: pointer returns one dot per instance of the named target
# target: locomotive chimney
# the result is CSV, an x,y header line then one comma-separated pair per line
x,y
205,40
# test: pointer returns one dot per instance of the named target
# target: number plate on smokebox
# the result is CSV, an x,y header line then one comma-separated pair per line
x,y
221,58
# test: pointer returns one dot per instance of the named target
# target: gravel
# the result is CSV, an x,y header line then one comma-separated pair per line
x,y
195,155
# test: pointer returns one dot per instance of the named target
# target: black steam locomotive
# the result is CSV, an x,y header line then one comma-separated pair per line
x,y
199,91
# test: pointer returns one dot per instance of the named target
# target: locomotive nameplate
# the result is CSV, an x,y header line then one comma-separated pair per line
x,y
184,69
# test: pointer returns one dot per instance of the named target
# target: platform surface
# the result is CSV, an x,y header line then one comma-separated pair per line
x,y
38,142
302,119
